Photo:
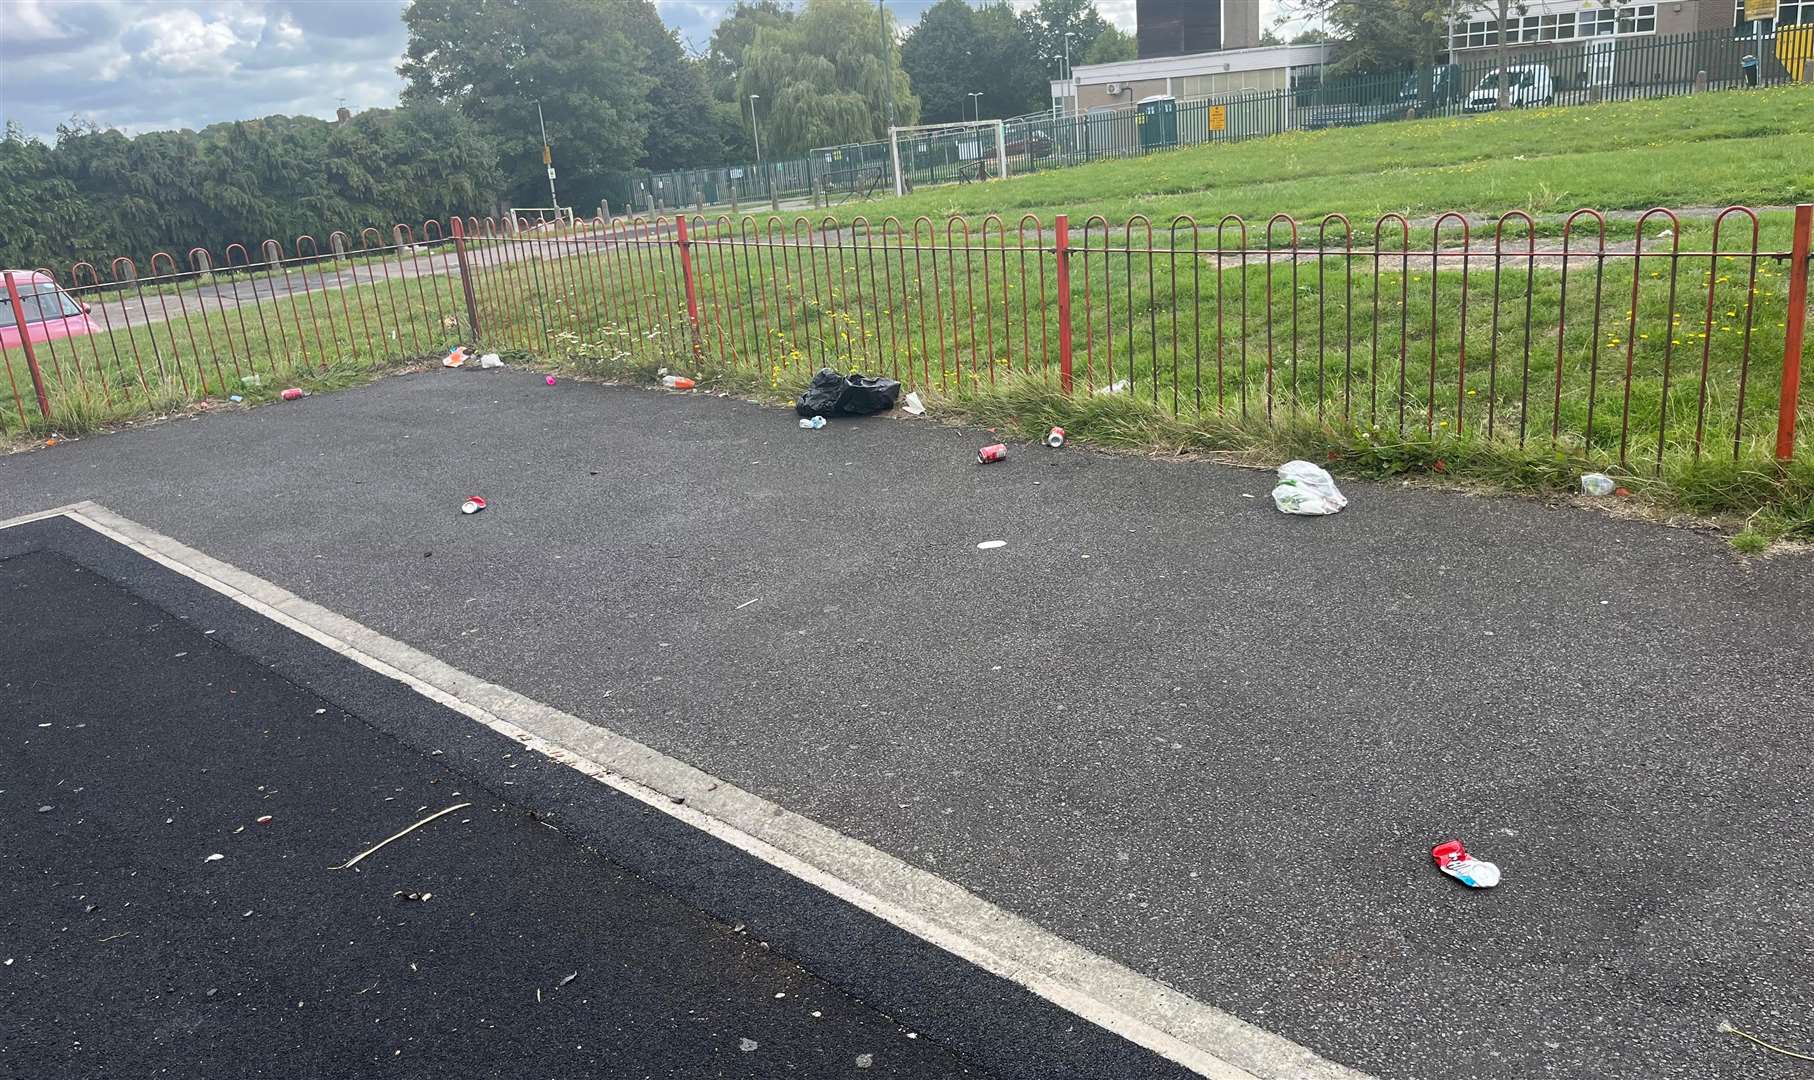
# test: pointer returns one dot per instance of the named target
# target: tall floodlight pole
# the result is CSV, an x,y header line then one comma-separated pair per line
x,y
547,157
756,132
887,75
976,104
888,87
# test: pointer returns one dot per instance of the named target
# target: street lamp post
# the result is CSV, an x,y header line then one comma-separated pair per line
x,y
547,159
976,104
887,55
1069,86
756,130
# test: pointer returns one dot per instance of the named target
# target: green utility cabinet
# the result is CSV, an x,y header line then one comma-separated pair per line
x,y
1157,118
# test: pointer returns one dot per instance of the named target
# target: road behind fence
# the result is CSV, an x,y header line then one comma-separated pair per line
x,y
1629,342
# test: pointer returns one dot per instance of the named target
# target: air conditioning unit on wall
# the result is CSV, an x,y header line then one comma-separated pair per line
x,y
1114,89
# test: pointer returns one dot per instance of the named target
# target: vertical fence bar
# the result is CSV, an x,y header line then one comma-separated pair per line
x,y
472,304
31,355
685,246
1062,248
1795,331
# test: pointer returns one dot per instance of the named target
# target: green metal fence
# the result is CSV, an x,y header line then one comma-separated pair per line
x,y
1578,72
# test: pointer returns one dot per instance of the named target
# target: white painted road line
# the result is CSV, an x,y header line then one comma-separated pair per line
x,y
1204,1039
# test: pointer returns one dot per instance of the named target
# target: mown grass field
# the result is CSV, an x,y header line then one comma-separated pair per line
x,y
1717,149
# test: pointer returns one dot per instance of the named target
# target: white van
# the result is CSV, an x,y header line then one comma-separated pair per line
x,y
1530,85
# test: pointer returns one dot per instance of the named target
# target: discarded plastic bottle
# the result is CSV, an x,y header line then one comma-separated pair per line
x,y
677,382
1597,484
815,423
989,455
1055,438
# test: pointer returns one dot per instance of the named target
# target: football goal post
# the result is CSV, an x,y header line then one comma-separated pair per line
x,y
558,216
963,151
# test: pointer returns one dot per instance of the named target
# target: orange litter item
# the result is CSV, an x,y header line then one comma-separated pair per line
x,y
455,358
677,382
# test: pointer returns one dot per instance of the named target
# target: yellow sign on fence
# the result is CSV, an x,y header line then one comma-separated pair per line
x,y
1218,118
1760,9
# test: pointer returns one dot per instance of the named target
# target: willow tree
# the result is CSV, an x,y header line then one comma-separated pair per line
x,y
829,76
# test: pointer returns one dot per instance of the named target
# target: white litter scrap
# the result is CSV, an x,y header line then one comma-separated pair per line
x,y
1307,489
1597,484
491,360
914,406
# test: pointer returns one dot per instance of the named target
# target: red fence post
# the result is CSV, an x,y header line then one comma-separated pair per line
x,y
31,356
1062,227
1795,332
686,273
472,303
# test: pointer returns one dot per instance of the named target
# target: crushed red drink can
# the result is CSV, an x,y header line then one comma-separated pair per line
x,y
988,455
1055,438
472,505
292,393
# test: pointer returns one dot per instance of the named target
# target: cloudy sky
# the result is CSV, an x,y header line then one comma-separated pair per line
x,y
144,65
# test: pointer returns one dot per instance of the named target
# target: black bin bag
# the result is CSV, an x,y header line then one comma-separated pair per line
x,y
833,394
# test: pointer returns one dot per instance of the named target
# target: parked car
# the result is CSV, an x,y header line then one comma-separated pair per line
x,y
1444,88
49,311
1530,85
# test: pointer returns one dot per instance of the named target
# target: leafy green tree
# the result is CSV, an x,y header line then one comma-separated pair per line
x,y
1110,46
829,76
682,133
495,59
39,209
242,182
732,37
955,49
723,64
1385,35
1049,21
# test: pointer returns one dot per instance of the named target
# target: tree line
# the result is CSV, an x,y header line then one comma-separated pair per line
x,y
619,90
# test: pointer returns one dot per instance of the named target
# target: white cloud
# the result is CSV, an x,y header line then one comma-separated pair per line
x,y
285,33
181,42
31,20
190,63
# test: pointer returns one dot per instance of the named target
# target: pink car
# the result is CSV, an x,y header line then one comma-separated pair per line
x,y
49,311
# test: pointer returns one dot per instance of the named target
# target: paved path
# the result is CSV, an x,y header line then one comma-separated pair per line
x,y
1206,740
152,747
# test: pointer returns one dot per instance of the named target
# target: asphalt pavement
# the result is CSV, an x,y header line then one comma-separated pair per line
x,y
177,819
1204,739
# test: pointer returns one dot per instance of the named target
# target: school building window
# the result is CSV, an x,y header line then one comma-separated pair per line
x,y
1562,26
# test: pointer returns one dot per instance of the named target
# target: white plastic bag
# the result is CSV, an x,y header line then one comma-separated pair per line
x,y
1595,483
1306,489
